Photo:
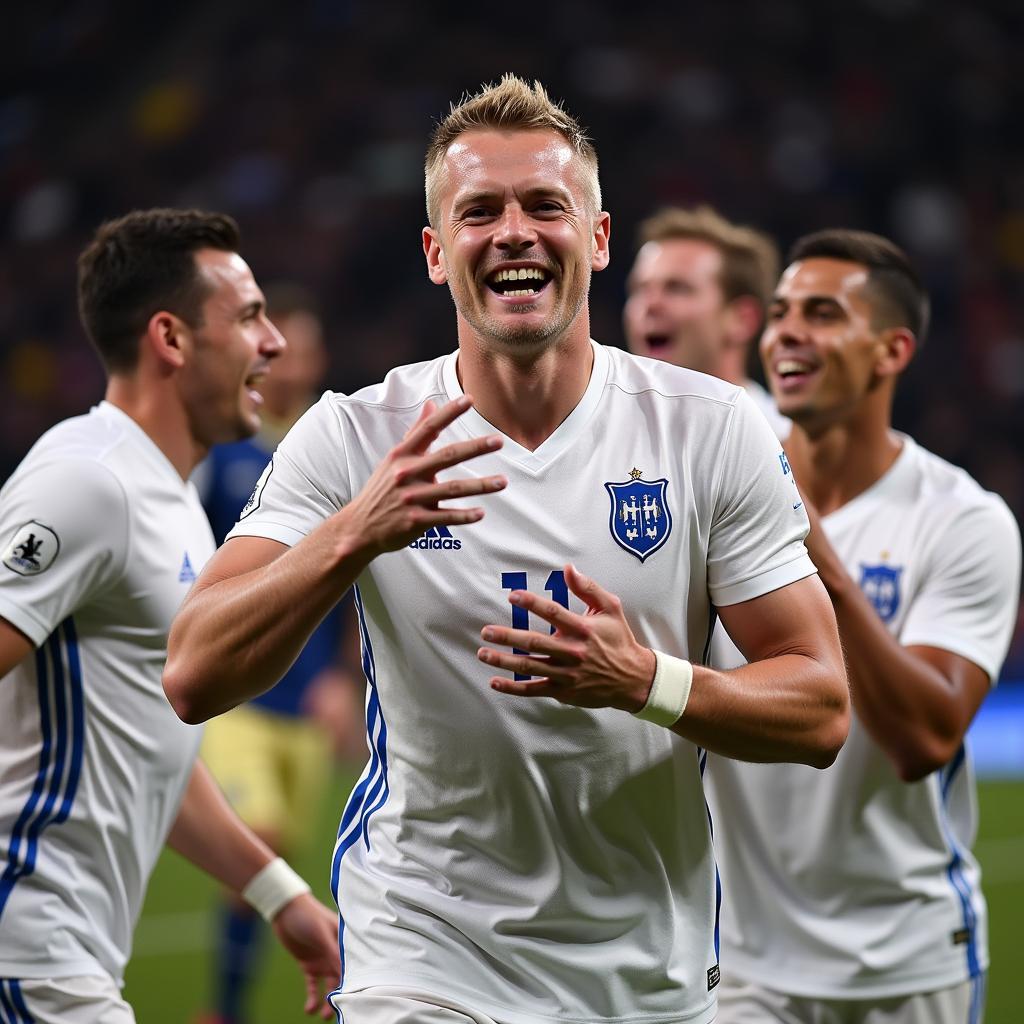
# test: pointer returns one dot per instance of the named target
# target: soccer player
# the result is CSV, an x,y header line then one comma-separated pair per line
x,y
697,296
533,846
103,537
852,894
269,755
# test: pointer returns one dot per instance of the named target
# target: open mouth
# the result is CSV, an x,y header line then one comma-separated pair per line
x,y
519,282
252,386
657,341
791,373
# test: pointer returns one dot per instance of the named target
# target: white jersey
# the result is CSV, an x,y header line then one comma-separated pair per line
x,y
851,883
536,861
102,540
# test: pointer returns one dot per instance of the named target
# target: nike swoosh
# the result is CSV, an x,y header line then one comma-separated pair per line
x,y
797,505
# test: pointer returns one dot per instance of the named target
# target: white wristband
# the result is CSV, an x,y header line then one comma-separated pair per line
x,y
670,691
274,885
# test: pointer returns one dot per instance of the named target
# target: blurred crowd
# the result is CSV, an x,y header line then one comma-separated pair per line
x,y
308,122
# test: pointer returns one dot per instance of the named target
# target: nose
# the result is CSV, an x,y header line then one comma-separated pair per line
x,y
273,342
514,229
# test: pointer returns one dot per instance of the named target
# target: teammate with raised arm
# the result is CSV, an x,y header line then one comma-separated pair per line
x,y
852,893
535,849
103,537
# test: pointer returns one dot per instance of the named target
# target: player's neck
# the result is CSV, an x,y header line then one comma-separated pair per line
x,y
158,412
835,463
526,399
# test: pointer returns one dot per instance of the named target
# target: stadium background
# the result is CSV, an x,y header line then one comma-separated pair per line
x,y
307,121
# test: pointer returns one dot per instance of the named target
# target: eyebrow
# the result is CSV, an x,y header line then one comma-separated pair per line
x,y
483,195
256,306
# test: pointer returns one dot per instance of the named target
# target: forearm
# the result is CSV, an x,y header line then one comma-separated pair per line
x,y
208,833
237,635
909,707
792,707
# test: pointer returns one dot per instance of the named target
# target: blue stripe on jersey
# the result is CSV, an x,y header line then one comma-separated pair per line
x,y
702,760
6,1009
977,1008
19,1002
60,755
954,870
373,788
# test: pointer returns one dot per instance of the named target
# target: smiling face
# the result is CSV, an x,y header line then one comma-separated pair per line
x,y
821,353
676,309
516,238
230,352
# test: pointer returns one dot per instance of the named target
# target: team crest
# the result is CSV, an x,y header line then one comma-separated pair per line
x,y
32,549
881,586
640,518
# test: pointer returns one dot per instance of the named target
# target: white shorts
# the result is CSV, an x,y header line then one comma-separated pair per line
x,y
92,999
742,1002
387,1004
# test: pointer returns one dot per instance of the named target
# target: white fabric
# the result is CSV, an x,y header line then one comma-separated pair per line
x,y
393,1005
272,887
91,999
749,1003
670,691
850,882
521,855
93,761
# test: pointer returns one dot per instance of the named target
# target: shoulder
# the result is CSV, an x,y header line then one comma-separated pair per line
x,y
639,375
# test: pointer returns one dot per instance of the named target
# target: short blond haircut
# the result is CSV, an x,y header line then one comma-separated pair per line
x,y
750,259
511,105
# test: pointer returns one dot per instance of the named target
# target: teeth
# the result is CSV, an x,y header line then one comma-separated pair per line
x,y
519,274
791,366
521,291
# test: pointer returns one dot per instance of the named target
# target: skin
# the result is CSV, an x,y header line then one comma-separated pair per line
x,y
194,386
677,311
916,702
509,200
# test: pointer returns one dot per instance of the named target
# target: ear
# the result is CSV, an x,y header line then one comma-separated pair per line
x,y
602,237
896,347
437,270
167,340
742,320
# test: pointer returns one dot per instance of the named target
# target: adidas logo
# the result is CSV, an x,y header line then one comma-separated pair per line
x,y
437,538
186,574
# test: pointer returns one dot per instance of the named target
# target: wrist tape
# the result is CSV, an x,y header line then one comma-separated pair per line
x,y
274,885
670,691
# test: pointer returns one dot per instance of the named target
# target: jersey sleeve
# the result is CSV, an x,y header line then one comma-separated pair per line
x,y
305,482
968,602
756,540
65,530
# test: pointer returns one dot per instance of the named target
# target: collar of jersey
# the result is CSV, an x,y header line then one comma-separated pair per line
x,y
112,412
887,486
563,435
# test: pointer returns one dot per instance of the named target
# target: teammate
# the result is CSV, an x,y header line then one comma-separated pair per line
x,y
103,538
538,848
852,894
697,296
269,756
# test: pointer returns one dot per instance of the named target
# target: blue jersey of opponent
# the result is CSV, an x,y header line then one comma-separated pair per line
x,y
225,482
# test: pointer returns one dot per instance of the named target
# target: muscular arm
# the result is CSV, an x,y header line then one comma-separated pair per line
x,y
790,704
257,601
916,702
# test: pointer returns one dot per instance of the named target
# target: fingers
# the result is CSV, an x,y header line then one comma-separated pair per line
x,y
526,688
431,494
594,596
425,431
551,611
451,455
551,670
534,643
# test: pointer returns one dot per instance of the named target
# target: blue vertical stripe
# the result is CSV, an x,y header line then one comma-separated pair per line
x,y
954,869
60,754
19,1002
372,790
702,760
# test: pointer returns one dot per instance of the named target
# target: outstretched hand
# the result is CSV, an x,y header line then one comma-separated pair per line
x,y
309,931
401,499
590,660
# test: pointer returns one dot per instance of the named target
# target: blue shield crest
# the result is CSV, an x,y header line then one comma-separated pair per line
x,y
640,518
881,586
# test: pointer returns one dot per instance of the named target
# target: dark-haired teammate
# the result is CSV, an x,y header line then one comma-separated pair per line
x,y
103,536
852,894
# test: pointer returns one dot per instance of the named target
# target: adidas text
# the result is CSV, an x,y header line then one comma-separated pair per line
x,y
437,543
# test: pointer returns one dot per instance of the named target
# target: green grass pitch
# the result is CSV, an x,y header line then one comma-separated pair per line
x,y
168,980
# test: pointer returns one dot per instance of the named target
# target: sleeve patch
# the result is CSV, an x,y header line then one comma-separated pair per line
x,y
32,549
257,492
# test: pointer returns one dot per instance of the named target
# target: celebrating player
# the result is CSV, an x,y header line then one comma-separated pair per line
x,y
104,536
538,848
697,296
853,894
